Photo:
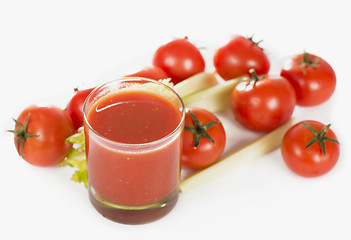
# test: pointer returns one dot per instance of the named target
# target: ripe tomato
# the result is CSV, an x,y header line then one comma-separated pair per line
x,y
75,107
263,103
180,59
310,148
40,135
154,72
204,138
238,56
313,79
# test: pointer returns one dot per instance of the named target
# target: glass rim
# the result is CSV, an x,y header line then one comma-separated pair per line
x,y
142,145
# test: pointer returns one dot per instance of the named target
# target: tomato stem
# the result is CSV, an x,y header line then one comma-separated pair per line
x,y
199,130
253,42
21,134
307,61
255,78
319,136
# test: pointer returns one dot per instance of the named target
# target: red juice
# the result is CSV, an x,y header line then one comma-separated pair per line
x,y
133,153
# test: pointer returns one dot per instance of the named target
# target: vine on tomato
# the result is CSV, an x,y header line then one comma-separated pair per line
x,y
180,59
204,138
154,73
40,135
238,56
75,107
263,103
313,78
310,148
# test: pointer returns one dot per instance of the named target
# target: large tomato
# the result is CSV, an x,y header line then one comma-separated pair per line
x,y
238,56
310,148
75,107
154,73
263,103
204,138
40,135
312,78
180,59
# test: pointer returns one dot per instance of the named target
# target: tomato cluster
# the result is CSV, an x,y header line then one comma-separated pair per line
x,y
261,102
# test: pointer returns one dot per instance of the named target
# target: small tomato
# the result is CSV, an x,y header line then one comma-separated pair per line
x,y
238,56
310,148
313,79
75,107
40,135
204,138
180,59
263,103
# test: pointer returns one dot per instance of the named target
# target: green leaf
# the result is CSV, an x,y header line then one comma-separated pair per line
x,y
80,176
312,129
206,135
78,138
195,120
190,129
209,124
197,137
313,140
324,131
322,147
331,140
77,158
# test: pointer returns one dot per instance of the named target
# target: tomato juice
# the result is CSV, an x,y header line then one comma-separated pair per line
x,y
133,141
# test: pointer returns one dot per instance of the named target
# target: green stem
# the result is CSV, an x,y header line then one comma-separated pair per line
x,y
21,134
255,43
319,136
254,75
307,61
200,130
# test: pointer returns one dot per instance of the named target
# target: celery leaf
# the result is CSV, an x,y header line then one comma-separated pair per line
x,y
77,158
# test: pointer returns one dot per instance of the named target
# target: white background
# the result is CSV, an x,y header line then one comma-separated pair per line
x,y
47,48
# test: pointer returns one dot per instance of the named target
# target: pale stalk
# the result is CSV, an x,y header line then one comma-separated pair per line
x,y
214,99
253,150
195,83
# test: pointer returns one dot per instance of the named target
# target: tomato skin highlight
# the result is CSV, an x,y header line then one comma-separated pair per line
x,y
206,152
180,59
154,73
75,107
264,105
238,56
313,84
52,126
311,161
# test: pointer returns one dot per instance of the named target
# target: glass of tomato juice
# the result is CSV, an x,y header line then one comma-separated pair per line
x,y
133,134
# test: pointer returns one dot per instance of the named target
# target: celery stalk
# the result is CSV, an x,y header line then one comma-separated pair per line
x,y
254,150
214,98
195,83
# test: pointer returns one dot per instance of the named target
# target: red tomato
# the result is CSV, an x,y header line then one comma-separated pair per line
x,y
154,72
40,135
313,79
310,150
204,139
75,107
263,103
238,56
180,59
